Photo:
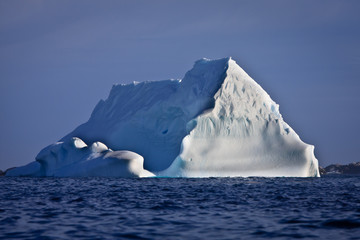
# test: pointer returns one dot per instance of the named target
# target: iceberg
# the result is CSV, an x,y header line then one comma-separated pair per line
x,y
215,122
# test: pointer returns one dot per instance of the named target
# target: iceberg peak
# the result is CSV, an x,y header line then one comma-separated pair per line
x,y
242,135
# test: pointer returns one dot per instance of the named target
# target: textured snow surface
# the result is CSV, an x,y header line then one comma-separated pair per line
x,y
216,121
74,158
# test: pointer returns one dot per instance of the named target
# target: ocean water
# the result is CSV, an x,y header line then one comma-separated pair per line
x,y
170,208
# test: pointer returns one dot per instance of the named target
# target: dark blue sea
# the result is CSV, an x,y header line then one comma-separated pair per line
x,y
171,208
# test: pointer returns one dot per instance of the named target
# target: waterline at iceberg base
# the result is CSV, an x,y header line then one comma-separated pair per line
x,y
215,122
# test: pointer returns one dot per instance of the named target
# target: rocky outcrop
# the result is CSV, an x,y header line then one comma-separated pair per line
x,y
322,171
351,169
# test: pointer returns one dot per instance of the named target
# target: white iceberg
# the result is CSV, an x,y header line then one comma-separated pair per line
x,y
216,121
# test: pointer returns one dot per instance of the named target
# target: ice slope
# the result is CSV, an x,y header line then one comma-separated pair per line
x,y
243,135
150,118
74,158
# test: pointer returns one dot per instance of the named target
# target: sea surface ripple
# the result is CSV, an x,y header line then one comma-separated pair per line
x,y
179,208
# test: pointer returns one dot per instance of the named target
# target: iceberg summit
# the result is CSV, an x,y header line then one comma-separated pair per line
x,y
215,122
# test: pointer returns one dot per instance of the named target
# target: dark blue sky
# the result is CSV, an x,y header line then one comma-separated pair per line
x,y
59,58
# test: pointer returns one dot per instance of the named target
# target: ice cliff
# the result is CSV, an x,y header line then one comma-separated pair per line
x,y
216,121
242,135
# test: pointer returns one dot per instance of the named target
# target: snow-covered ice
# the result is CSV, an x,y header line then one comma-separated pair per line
x,y
216,121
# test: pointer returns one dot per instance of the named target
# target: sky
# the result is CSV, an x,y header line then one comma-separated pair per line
x,y
59,58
